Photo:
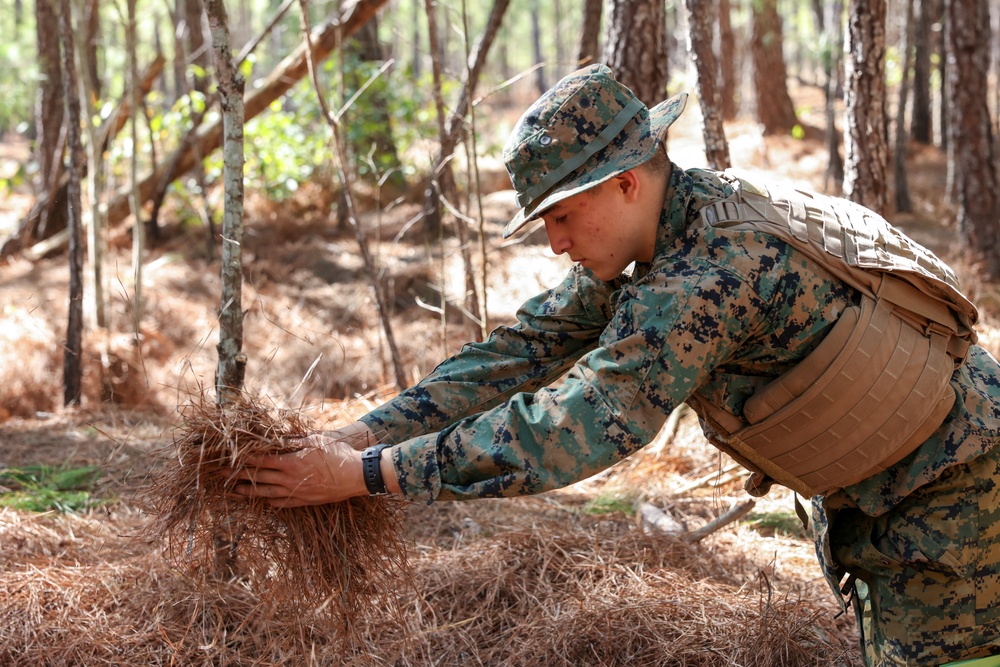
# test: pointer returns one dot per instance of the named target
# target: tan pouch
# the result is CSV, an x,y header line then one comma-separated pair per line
x,y
868,395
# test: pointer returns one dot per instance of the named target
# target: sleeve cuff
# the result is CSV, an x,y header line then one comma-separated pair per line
x,y
417,468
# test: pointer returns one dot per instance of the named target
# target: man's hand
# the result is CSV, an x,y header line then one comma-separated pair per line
x,y
325,470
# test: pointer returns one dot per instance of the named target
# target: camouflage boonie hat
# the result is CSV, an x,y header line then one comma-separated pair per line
x,y
584,130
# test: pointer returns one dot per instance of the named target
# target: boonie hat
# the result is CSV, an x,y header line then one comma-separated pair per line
x,y
583,131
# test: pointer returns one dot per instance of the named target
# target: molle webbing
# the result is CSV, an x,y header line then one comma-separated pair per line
x,y
878,384
857,246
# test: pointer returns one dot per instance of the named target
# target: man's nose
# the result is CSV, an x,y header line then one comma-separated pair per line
x,y
558,240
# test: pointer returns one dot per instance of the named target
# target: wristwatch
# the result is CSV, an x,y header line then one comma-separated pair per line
x,y
371,467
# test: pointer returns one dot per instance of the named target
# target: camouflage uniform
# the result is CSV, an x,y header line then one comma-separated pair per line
x,y
717,315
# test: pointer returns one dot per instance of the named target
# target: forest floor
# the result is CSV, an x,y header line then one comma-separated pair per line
x,y
571,577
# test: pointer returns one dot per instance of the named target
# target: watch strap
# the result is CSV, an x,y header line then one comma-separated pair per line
x,y
371,460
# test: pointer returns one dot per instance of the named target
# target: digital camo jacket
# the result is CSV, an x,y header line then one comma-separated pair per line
x,y
718,313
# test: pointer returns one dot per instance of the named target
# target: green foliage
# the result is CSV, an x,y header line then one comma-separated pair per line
x,y
611,502
44,488
285,146
893,66
17,68
291,142
11,181
776,523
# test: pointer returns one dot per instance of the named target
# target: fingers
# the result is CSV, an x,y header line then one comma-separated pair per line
x,y
322,471
259,490
302,448
261,476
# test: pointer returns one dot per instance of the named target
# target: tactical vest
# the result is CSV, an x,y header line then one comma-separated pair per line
x,y
877,385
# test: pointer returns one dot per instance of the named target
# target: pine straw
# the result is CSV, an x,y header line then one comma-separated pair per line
x,y
335,562
522,583
606,596
558,594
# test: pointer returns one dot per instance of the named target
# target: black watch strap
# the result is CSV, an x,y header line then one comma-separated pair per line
x,y
371,460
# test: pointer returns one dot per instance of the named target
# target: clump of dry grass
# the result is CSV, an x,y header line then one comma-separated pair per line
x,y
337,561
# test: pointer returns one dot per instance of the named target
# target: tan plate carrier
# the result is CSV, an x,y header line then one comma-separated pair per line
x,y
877,386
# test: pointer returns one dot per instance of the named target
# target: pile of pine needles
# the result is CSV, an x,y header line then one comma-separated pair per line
x,y
558,593
337,561
514,583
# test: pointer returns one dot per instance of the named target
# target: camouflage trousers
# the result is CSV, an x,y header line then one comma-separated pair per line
x,y
927,574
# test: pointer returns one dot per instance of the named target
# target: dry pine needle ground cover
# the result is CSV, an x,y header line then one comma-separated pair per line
x,y
567,578
536,581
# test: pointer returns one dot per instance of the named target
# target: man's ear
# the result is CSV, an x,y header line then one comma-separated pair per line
x,y
629,183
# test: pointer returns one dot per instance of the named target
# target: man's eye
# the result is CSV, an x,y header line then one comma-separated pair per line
x,y
560,219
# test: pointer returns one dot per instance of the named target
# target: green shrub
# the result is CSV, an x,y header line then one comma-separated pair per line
x,y
42,488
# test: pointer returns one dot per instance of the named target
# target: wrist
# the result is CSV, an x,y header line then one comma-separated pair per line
x,y
371,469
389,472
351,476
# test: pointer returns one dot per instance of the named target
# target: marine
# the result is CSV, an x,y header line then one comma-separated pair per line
x,y
680,294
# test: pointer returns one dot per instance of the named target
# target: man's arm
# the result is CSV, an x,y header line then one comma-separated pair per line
x,y
554,329
670,332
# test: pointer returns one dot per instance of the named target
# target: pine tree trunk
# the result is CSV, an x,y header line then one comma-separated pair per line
x,y
179,62
50,109
903,204
589,50
774,105
92,39
416,44
73,350
727,62
943,51
636,47
138,227
197,47
557,21
833,177
536,46
864,136
920,114
700,22
971,133
94,302
232,360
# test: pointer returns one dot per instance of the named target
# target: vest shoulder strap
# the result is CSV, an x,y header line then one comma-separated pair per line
x,y
859,247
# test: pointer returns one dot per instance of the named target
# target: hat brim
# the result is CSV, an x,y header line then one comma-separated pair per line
x,y
661,117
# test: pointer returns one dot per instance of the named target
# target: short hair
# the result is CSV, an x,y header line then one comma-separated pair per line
x,y
659,163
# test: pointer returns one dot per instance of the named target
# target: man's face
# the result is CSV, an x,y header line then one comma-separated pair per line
x,y
596,229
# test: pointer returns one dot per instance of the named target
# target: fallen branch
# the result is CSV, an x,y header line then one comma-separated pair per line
x,y
652,517
669,431
735,513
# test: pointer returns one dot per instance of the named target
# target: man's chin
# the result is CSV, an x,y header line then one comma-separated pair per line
x,y
605,275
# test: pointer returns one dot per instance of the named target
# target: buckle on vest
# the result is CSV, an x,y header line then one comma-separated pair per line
x,y
937,329
722,213
711,215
